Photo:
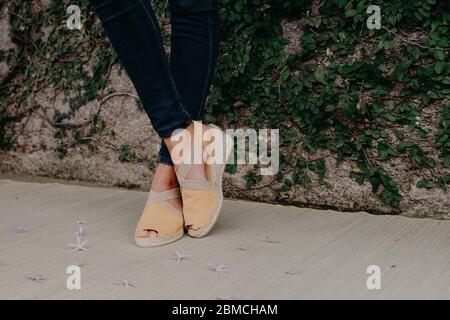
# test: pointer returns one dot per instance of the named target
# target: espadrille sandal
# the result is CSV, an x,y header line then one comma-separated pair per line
x,y
160,216
202,199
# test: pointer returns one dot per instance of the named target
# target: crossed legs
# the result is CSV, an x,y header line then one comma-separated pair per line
x,y
173,92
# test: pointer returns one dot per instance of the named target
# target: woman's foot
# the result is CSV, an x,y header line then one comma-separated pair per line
x,y
201,184
196,170
164,179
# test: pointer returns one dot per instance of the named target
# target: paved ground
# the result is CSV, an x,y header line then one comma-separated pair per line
x,y
314,254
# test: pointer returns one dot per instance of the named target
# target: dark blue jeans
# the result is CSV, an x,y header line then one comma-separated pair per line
x,y
172,93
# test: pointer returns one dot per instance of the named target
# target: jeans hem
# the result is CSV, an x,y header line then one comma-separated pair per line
x,y
168,132
165,161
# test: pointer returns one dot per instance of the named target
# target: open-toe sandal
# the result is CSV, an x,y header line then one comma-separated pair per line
x,y
202,199
161,217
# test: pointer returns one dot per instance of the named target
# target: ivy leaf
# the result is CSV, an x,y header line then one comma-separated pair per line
x,y
385,150
439,67
351,13
285,74
424,183
442,182
405,145
319,76
238,6
441,139
439,54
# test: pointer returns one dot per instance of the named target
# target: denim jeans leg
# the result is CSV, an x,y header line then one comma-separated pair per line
x,y
194,50
164,155
133,31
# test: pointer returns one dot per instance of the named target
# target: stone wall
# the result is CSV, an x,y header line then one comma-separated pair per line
x,y
126,151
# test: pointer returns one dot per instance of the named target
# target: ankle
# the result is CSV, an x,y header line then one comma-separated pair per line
x,y
187,145
164,178
163,185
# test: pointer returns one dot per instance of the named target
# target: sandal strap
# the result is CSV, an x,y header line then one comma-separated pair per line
x,y
198,184
184,168
182,171
163,196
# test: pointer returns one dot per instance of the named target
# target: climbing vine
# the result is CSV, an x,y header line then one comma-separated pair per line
x,y
322,99
333,85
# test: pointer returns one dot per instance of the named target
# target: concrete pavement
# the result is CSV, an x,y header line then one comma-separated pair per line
x,y
269,251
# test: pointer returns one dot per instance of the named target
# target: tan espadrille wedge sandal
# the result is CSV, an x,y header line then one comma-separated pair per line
x,y
160,216
202,199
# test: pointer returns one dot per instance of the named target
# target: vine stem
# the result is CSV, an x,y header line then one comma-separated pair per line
x,y
409,41
117,94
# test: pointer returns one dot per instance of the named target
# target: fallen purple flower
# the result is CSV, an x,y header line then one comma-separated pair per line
x,y
180,256
20,229
127,284
218,269
225,298
268,239
36,278
291,272
79,246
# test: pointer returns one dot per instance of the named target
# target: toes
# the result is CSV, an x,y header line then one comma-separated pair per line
x,y
147,234
152,234
142,234
193,227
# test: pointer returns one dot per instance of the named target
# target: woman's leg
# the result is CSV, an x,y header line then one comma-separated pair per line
x,y
195,42
194,50
134,33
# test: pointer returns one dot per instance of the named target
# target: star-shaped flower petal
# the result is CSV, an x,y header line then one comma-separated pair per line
x,y
218,269
127,284
180,256
20,229
36,278
268,239
291,272
81,229
79,246
225,298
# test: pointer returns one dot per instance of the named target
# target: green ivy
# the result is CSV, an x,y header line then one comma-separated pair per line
x,y
298,92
